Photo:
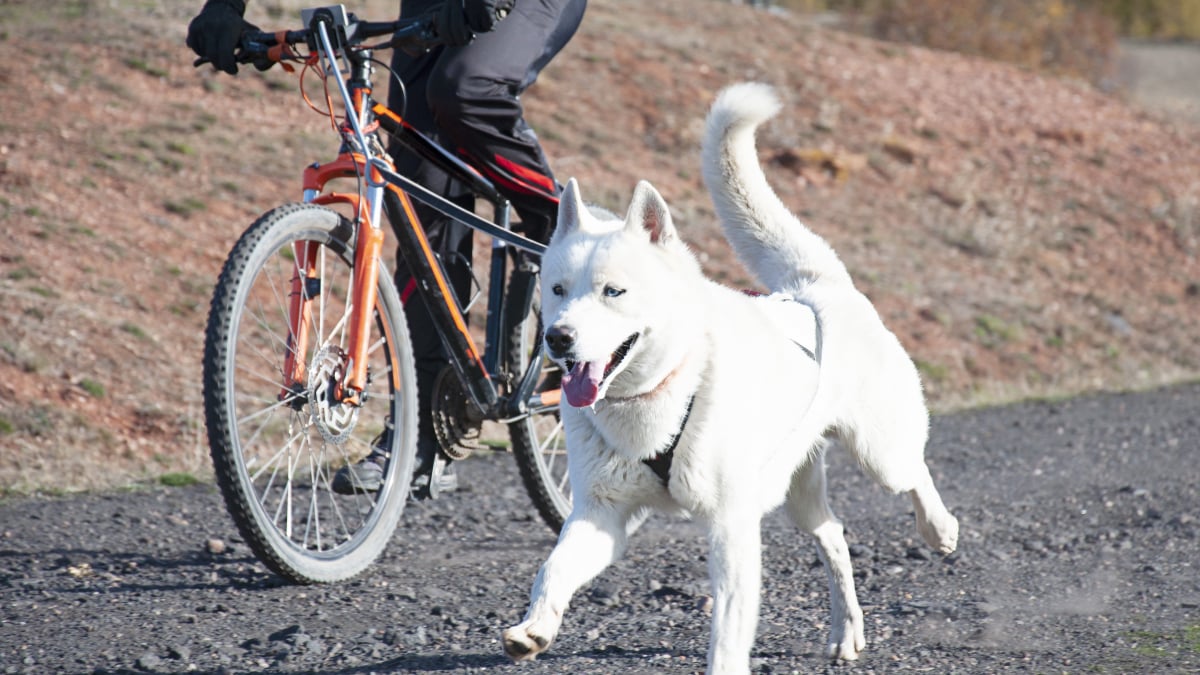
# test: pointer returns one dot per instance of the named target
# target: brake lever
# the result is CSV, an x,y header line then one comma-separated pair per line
x,y
415,42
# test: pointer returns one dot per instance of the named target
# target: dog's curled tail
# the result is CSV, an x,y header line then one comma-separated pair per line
x,y
770,241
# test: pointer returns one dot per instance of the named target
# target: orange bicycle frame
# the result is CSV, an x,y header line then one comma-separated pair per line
x,y
386,189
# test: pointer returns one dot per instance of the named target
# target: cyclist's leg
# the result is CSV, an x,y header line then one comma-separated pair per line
x,y
474,95
452,242
468,98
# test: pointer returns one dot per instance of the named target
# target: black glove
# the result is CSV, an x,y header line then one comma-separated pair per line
x,y
450,22
216,30
483,15
457,21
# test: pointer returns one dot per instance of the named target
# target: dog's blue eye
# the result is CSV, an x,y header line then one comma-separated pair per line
x,y
557,289
612,291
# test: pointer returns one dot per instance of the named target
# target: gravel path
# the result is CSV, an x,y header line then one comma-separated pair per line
x,y
1079,554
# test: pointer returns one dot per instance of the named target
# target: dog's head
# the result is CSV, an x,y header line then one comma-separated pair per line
x,y
617,296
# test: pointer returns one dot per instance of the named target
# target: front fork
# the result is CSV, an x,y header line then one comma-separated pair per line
x,y
367,252
305,286
305,289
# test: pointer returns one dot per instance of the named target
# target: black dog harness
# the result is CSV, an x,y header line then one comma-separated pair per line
x,y
660,464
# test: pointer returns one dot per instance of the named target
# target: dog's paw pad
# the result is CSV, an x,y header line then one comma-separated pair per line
x,y
522,646
845,651
941,536
848,643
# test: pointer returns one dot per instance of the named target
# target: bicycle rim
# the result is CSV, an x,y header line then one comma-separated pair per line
x,y
538,441
276,449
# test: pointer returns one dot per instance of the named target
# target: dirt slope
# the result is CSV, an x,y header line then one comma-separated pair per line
x,y
1022,235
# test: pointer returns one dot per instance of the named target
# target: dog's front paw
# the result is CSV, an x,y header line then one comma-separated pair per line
x,y
846,641
524,642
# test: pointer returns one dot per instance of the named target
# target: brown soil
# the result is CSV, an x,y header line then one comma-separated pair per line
x,y
1023,235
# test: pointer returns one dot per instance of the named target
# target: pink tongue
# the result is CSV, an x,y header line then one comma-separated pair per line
x,y
582,384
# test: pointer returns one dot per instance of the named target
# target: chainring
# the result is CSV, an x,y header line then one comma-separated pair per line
x,y
456,420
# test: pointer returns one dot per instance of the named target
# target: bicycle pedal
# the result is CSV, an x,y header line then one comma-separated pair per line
x,y
439,481
436,482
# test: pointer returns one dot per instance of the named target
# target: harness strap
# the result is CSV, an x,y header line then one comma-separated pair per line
x,y
807,352
660,464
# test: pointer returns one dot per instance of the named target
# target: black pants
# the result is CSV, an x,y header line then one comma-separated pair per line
x,y
468,98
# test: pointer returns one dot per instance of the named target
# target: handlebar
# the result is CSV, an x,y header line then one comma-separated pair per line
x,y
263,48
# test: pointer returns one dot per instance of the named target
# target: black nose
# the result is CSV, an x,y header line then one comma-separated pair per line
x,y
560,340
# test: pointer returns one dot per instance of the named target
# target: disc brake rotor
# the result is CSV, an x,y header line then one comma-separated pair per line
x,y
334,419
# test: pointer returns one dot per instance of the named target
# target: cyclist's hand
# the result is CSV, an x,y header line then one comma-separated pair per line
x,y
457,21
419,41
215,32
450,22
483,15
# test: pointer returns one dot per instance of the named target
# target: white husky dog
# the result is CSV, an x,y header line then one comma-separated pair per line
x,y
684,395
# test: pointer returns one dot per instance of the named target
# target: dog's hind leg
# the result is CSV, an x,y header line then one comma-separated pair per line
x,y
891,449
592,538
808,507
938,528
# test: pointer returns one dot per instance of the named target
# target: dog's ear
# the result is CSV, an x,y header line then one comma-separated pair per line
x,y
648,211
570,209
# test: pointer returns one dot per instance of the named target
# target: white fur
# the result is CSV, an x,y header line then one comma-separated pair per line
x,y
763,411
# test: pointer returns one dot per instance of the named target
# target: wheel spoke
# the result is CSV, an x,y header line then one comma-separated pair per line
x,y
312,525
273,461
276,405
261,313
334,505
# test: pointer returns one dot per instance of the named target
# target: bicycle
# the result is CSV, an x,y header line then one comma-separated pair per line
x,y
308,363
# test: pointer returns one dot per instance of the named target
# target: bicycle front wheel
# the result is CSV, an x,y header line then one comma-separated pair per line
x,y
538,442
276,439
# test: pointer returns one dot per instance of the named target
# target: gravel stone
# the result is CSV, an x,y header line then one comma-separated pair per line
x,y
148,661
179,652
